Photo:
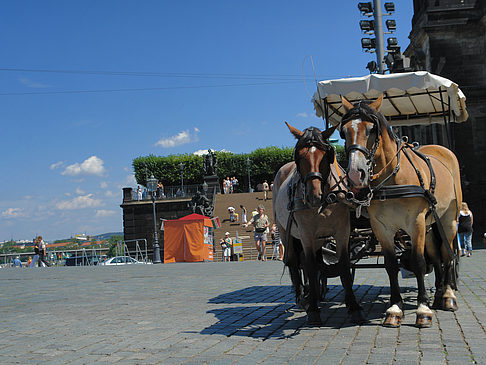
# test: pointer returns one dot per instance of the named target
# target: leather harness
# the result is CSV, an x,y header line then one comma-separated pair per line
x,y
383,192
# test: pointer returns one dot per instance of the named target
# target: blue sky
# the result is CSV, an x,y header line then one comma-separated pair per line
x,y
199,74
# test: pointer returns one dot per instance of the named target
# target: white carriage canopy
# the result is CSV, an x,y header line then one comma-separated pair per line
x,y
410,98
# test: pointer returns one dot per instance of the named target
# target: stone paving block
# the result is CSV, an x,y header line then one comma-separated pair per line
x,y
252,321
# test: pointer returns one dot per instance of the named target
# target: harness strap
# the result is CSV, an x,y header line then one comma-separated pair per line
x,y
360,148
313,175
398,191
397,167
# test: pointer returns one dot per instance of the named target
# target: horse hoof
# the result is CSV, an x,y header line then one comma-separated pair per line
x,y
423,320
392,320
314,319
393,317
357,317
449,304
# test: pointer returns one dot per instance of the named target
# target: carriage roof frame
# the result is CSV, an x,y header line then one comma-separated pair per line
x,y
410,98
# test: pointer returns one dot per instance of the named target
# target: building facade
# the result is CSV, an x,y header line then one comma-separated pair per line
x,y
448,38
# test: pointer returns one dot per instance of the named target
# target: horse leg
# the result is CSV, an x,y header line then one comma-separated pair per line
x,y
434,256
419,267
449,301
385,235
349,298
296,278
322,276
394,313
310,269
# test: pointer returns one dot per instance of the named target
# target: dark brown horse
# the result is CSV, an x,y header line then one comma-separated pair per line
x,y
305,208
414,189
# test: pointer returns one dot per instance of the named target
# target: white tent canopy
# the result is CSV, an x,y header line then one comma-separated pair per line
x,y
411,98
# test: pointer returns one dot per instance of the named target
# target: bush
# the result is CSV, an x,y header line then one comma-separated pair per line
x,y
264,164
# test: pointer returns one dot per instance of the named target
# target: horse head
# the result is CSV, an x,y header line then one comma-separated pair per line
x,y
313,155
361,127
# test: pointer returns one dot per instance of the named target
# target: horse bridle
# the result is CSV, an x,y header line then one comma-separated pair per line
x,y
362,114
312,138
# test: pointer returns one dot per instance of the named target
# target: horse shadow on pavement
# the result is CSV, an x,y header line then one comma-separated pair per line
x,y
265,312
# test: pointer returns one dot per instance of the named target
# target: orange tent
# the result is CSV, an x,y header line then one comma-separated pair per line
x,y
187,239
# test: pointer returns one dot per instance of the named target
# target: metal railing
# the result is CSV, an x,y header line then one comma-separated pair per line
x,y
169,192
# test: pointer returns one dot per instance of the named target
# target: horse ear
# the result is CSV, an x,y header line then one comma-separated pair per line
x,y
297,134
328,132
377,103
346,104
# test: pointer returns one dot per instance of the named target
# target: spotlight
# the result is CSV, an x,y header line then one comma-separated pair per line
x,y
368,43
365,8
372,66
389,7
391,25
366,25
392,44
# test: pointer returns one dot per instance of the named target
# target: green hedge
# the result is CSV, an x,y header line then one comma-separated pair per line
x,y
264,164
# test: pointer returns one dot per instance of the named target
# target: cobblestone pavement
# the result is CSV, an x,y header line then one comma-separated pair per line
x,y
223,313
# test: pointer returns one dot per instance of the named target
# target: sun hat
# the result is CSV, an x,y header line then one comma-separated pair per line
x,y
227,234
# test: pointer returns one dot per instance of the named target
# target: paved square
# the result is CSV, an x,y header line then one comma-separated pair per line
x,y
224,313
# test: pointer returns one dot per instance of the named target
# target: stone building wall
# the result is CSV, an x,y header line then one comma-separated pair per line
x,y
452,36
138,221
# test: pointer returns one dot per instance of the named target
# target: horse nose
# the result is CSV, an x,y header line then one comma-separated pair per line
x,y
362,176
355,177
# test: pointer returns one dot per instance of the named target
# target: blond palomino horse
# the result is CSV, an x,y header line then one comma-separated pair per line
x,y
304,203
414,189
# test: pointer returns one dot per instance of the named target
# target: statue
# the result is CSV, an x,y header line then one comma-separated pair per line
x,y
210,163
200,204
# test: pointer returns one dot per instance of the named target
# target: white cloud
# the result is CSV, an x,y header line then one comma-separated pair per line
x,y
91,166
200,152
179,139
110,194
12,213
303,115
205,152
56,165
32,84
80,202
79,191
103,185
104,213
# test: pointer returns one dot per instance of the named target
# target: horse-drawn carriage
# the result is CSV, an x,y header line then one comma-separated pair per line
x,y
409,195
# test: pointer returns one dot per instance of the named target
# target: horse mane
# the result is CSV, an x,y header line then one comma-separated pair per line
x,y
363,111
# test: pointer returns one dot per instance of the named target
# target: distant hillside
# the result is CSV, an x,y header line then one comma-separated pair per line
x,y
106,236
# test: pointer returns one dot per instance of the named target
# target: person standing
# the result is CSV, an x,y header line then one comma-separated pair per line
x,y
260,223
277,242
465,229
17,262
266,189
35,260
42,252
243,214
139,193
228,243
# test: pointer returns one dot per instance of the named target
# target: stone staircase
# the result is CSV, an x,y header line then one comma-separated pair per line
x,y
250,201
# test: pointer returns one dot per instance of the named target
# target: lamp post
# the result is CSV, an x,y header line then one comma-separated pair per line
x,y
152,188
248,163
181,168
